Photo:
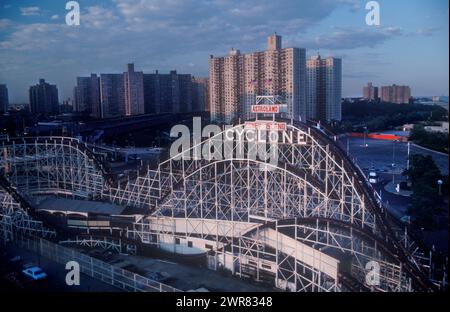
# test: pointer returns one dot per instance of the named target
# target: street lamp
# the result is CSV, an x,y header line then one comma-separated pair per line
x,y
439,182
393,161
407,159
365,132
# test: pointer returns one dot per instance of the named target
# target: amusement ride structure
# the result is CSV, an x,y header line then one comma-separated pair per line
x,y
305,220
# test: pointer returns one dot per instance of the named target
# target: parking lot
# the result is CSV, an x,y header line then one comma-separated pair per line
x,y
12,278
181,276
186,277
382,154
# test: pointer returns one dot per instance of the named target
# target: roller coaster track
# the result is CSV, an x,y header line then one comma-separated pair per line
x,y
386,242
398,248
390,244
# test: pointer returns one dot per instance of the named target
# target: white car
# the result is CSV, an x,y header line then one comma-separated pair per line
x,y
35,273
373,177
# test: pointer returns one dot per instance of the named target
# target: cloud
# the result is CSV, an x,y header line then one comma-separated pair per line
x,y
157,34
426,31
4,23
342,38
166,28
354,5
29,11
55,17
99,17
222,23
170,34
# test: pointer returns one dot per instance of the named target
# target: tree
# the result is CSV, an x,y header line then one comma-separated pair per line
x,y
434,140
381,115
422,170
426,204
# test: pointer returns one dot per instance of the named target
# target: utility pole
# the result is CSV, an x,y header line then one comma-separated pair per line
x,y
365,136
348,146
393,162
407,160
440,182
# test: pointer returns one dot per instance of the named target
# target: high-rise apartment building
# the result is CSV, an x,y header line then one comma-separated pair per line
x,y
87,95
200,94
370,92
133,84
324,90
167,93
135,93
396,94
4,100
185,91
236,79
44,98
112,95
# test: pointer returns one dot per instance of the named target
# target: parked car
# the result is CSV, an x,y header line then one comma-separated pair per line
x,y
35,273
373,177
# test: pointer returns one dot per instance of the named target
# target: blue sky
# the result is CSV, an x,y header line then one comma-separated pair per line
x,y
409,47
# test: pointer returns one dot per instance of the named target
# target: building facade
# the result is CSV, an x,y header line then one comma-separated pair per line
x,y
44,98
87,96
134,93
133,84
4,99
370,92
324,91
236,79
168,93
396,94
200,94
112,95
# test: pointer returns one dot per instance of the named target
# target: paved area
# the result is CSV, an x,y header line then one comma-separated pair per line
x,y
382,154
393,188
394,203
187,277
55,281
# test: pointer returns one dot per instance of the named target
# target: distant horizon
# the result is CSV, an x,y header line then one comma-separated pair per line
x,y
344,97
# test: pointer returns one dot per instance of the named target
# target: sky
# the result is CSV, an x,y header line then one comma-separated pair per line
x,y
409,47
